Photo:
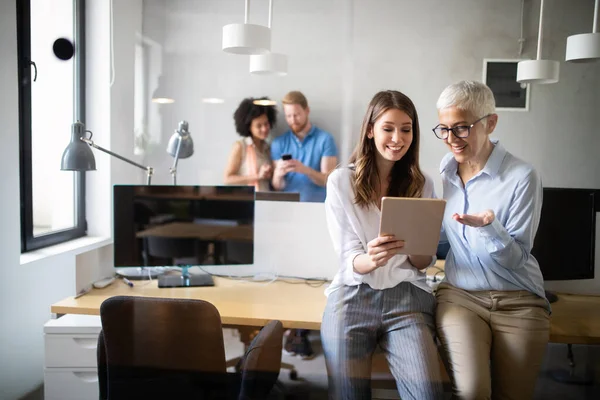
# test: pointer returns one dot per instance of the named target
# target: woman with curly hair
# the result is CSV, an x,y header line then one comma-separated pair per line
x,y
250,158
379,297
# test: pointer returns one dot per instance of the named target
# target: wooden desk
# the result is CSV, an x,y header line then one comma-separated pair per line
x,y
575,319
239,302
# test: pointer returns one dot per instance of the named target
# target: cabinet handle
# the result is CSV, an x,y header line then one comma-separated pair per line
x,y
89,377
86,343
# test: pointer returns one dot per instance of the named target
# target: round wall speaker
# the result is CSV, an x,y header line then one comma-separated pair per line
x,y
63,49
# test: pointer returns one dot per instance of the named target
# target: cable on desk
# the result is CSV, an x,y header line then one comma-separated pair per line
x,y
293,280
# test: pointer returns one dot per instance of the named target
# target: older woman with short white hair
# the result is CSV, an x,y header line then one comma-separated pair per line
x,y
492,314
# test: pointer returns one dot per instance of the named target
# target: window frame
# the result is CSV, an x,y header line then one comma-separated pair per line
x,y
30,242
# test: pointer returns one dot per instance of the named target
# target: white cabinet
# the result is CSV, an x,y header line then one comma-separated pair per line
x,y
70,370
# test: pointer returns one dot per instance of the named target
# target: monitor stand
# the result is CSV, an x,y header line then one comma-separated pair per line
x,y
185,279
141,273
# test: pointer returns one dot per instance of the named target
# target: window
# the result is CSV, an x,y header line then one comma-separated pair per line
x,y
501,77
51,98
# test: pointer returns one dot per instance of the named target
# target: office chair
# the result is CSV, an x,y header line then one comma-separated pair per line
x,y
156,348
245,334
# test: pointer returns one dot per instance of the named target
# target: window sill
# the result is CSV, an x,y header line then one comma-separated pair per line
x,y
72,247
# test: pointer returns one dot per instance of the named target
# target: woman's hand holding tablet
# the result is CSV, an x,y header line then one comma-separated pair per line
x,y
379,252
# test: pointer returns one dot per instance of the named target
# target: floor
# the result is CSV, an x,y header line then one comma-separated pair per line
x,y
312,382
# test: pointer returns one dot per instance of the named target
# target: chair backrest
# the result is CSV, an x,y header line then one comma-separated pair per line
x,y
262,361
168,345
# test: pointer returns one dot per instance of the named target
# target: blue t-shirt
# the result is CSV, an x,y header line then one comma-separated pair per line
x,y
316,145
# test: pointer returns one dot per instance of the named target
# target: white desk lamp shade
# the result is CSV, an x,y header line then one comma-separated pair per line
x,y
538,71
268,64
246,39
583,48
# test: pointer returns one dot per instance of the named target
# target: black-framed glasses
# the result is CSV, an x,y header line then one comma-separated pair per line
x,y
461,131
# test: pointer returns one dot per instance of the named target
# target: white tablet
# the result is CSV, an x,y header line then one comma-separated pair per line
x,y
417,221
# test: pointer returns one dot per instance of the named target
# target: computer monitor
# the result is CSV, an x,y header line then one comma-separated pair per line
x,y
565,243
182,226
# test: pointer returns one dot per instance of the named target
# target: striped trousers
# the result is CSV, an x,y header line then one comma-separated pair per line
x,y
401,321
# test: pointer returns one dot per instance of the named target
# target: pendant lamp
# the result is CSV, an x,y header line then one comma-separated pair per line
x,y
538,70
269,63
586,46
246,38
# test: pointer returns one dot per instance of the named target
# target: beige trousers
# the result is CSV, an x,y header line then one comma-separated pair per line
x,y
494,341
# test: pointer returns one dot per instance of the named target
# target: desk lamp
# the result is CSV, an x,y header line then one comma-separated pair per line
x,y
180,145
79,157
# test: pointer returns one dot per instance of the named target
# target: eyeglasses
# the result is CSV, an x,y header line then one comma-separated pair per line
x,y
463,131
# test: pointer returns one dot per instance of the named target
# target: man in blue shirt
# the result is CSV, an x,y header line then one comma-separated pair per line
x,y
313,153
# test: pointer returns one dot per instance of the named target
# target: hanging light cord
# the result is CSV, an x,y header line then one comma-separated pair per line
x,y
541,32
521,40
270,12
596,16
246,11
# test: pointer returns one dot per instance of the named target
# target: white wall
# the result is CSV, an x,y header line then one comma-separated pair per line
x,y
342,52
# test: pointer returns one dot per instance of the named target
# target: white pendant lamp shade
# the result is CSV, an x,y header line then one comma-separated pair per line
x,y
268,64
583,48
586,46
246,39
160,95
538,71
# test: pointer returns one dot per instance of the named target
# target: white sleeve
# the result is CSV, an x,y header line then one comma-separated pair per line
x,y
346,242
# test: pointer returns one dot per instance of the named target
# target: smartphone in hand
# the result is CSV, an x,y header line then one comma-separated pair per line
x,y
286,157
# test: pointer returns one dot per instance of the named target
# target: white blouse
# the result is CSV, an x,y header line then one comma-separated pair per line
x,y
351,227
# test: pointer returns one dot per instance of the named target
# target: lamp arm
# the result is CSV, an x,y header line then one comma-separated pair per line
x,y
149,170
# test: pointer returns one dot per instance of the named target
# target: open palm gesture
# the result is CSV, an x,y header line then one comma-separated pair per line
x,y
475,220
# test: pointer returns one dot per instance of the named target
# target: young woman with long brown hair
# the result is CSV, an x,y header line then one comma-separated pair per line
x,y
379,297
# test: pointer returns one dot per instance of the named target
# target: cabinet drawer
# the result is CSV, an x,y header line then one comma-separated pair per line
x,y
75,351
71,384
